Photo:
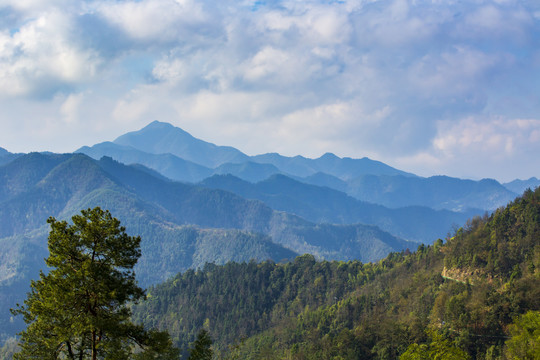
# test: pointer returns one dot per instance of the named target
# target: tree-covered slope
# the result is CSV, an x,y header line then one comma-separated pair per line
x,y
24,172
214,208
460,298
182,226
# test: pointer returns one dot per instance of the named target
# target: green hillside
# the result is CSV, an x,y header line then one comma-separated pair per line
x,y
182,226
459,297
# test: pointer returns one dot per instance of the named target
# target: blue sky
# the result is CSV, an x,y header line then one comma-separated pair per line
x,y
432,87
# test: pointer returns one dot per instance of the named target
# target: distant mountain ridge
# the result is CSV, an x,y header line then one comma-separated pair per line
x,y
160,138
6,156
438,192
343,168
519,186
323,204
169,165
60,185
179,156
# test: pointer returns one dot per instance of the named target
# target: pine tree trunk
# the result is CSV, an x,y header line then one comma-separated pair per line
x,y
94,350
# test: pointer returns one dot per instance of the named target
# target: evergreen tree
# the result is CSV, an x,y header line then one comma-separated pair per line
x,y
525,340
201,349
78,310
438,349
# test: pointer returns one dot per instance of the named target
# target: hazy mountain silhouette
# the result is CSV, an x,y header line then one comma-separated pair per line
x,y
164,138
6,156
519,186
168,164
179,156
323,204
438,192
343,168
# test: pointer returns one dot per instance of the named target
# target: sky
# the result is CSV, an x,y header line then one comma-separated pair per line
x,y
431,87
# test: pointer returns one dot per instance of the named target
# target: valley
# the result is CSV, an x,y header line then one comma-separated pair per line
x,y
303,238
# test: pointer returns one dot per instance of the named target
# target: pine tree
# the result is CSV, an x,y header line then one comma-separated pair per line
x,y
78,310
201,349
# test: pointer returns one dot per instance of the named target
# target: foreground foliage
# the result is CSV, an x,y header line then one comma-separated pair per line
x,y
78,310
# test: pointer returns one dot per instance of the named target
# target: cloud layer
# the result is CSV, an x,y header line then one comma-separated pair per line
x,y
446,87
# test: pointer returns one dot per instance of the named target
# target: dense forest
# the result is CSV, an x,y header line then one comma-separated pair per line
x,y
182,226
467,297
475,295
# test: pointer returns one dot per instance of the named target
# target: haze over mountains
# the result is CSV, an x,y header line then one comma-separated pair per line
x,y
182,225
179,156
194,202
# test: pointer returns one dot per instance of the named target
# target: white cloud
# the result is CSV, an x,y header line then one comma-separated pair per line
x,y
32,7
476,147
170,71
71,107
158,20
454,72
509,21
388,79
40,56
501,137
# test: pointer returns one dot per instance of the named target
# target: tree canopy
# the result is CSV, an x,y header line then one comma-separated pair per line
x,y
79,309
201,349
525,340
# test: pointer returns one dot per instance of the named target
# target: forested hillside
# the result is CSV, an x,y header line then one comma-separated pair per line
x,y
460,297
182,226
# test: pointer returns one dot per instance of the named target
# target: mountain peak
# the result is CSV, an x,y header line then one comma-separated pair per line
x,y
164,138
156,124
329,156
154,131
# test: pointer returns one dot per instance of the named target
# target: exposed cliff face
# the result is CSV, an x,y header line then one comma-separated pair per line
x,y
467,275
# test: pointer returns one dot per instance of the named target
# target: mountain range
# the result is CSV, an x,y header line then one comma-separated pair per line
x,y
323,204
182,225
193,203
179,156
